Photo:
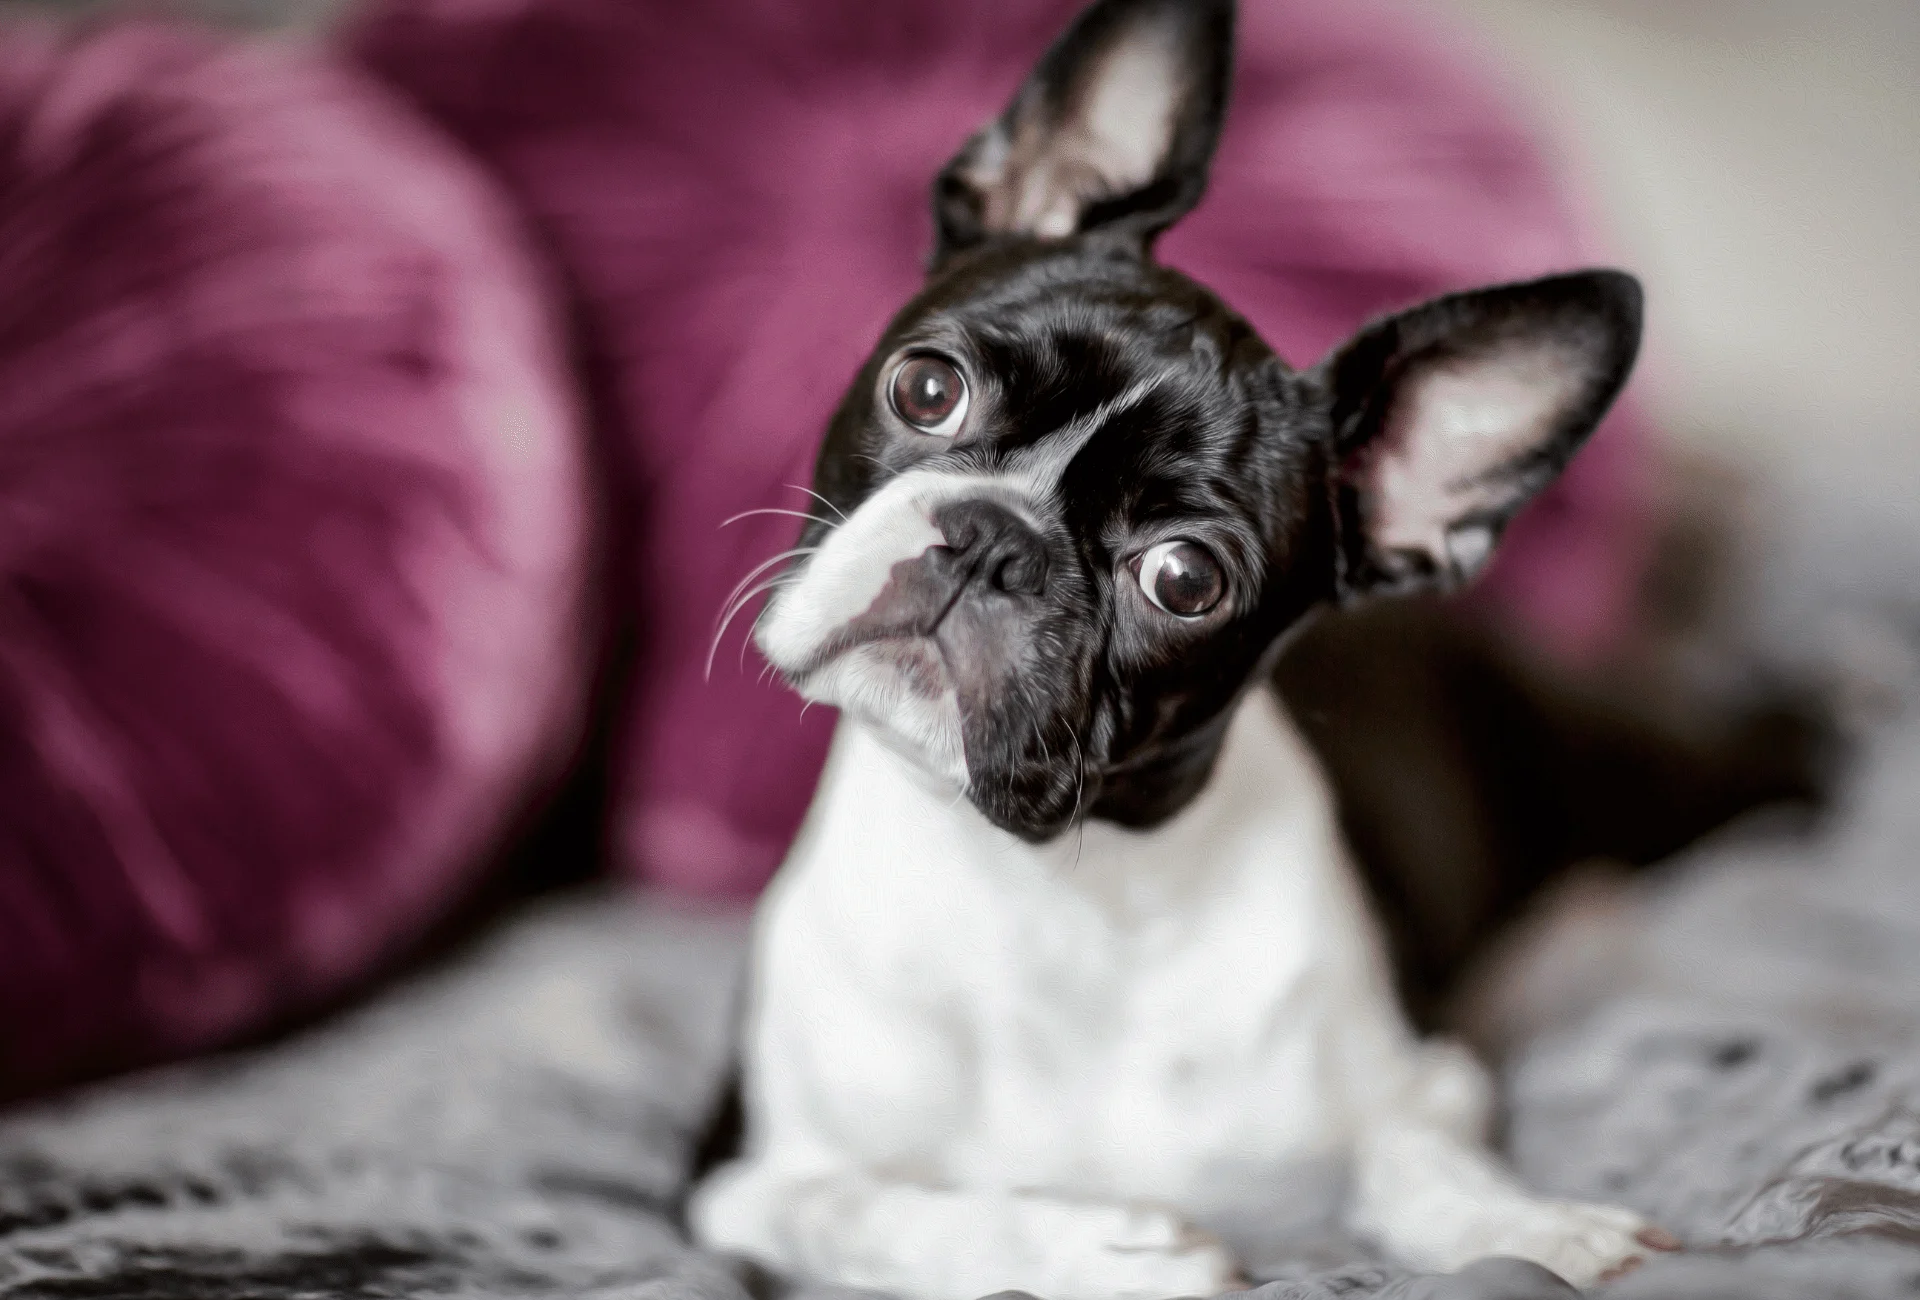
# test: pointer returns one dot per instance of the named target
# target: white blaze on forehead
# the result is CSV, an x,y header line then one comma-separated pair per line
x,y
1037,469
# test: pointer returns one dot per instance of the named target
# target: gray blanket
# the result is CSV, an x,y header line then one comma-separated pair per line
x,y
1746,1072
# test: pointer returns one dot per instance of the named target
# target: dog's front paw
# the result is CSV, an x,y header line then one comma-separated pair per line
x,y
1135,1253
1582,1243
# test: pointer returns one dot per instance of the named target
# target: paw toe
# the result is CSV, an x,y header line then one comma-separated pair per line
x,y
1586,1244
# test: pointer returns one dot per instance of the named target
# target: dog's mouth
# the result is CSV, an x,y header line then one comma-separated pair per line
x,y
914,659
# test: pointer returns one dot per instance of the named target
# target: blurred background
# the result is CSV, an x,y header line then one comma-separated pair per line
x,y
1758,162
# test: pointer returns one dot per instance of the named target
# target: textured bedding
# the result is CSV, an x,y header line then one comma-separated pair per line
x,y
1744,1068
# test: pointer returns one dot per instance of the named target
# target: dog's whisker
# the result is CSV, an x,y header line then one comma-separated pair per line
x,y
759,569
728,614
746,598
754,626
739,600
886,471
778,510
822,500
1079,796
741,604
768,563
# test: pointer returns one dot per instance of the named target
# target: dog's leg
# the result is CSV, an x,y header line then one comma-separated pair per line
x,y
940,1244
1427,1187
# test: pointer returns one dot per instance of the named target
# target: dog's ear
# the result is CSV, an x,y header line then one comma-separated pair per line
x,y
1447,418
1113,131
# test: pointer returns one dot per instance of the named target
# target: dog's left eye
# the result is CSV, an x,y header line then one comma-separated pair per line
x,y
929,393
1181,577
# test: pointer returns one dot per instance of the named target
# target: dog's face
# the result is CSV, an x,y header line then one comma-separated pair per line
x,y
1077,501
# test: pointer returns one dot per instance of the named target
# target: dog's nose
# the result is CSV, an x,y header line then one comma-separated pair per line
x,y
996,545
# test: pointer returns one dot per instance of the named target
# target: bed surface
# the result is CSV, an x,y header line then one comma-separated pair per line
x,y
520,1122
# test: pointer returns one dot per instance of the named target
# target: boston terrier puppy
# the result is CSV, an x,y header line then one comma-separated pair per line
x,y
1070,956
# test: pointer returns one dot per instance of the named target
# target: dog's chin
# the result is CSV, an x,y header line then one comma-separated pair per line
x,y
899,688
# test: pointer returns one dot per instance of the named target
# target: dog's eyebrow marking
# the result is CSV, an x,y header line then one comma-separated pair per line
x,y
1039,466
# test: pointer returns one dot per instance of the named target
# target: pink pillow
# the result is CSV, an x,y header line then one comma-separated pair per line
x,y
740,192
292,537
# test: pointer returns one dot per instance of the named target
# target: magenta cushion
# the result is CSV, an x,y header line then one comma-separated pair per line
x,y
293,548
739,190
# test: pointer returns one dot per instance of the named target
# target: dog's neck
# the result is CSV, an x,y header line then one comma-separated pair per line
x,y
881,825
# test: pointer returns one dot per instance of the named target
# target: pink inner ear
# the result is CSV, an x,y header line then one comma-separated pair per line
x,y
1450,432
1112,139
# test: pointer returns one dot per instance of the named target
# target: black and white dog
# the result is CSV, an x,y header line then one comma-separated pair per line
x,y
1070,953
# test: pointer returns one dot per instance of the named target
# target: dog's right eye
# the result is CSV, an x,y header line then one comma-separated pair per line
x,y
1180,577
929,393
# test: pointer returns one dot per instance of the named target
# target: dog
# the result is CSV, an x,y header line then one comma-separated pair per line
x,y
1070,952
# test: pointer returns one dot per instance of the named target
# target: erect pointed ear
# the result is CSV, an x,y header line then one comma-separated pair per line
x,y
1448,418
1113,131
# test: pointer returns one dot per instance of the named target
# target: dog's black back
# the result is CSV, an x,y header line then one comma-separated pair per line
x,y
1471,773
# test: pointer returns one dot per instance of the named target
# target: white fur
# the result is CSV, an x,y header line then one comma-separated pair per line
x,y
973,1063
1037,468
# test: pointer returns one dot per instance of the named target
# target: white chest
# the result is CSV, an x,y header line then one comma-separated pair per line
x,y
1146,1013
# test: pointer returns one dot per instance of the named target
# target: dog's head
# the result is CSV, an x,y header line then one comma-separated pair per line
x,y
1078,500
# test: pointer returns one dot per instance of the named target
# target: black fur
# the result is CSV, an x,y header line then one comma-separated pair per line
x,y
1077,696
1470,774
